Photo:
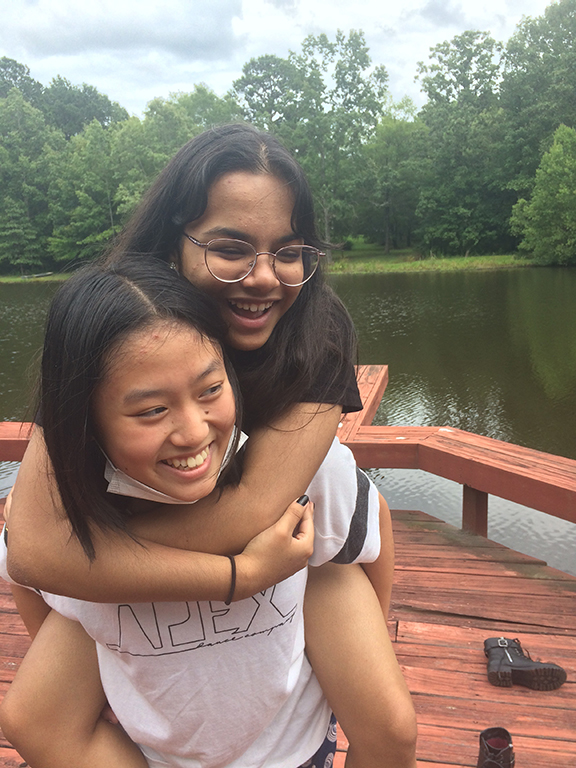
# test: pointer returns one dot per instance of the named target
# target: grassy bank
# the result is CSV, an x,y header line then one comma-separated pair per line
x,y
369,259
365,259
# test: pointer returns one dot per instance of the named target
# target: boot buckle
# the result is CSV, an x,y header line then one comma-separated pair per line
x,y
502,642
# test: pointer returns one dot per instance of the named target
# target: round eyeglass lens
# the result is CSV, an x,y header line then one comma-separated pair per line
x,y
229,260
295,264
232,260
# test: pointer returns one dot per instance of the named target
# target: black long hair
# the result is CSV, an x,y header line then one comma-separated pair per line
x,y
316,333
93,312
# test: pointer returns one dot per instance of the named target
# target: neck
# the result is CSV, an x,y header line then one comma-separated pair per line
x,y
142,506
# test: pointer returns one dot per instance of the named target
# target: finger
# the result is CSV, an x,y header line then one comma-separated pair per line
x,y
291,518
306,526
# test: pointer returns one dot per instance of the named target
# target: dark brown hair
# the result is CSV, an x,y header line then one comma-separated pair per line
x,y
93,312
316,333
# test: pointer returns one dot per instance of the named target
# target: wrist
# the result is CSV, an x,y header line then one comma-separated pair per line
x,y
247,583
232,589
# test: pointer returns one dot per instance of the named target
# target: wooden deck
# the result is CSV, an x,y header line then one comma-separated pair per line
x,y
452,590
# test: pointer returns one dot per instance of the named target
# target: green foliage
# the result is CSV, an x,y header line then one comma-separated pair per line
x,y
547,222
25,144
71,107
465,70
464,204
538,87
395,166
16,75
323,102
91,220
73,165
19,243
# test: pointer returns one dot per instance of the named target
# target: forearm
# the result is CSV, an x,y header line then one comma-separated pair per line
x,y
280,463
129,571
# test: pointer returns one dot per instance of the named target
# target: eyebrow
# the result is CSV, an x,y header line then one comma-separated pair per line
x,y
237,235
142,394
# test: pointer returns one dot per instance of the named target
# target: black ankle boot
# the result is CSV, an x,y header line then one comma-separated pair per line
x,y
508,664
495,749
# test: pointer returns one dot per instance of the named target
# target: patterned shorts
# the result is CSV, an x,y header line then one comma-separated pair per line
x,y
324,757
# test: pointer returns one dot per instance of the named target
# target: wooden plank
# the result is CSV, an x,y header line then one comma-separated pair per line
x,y
9,758
460,747
491,627
438,637
538,480
388,447
552,612
372,381
14,437
474,511
491,585
455,567
452,712
465,660
414,551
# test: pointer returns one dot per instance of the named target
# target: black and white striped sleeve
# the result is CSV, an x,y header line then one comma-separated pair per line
x,y
346,515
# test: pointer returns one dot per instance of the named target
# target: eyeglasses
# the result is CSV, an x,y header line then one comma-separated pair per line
x,y
232,260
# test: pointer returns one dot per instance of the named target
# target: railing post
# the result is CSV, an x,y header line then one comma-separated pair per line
x,y
474,511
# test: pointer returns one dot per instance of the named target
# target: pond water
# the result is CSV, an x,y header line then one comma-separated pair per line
x,y
489,352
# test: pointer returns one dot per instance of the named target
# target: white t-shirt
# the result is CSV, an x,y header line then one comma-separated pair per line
x,y
205,685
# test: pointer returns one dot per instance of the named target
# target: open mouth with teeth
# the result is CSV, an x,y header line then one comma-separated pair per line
x,y
188,463
251,309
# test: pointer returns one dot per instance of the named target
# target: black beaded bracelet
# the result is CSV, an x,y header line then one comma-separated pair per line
x,y
232,582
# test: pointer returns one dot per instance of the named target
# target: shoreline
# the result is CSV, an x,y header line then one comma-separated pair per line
x,y
363,263
351,264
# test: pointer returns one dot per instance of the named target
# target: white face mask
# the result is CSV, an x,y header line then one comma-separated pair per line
x,y
124,485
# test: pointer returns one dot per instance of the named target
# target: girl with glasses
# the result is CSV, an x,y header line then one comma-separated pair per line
x,y
292,347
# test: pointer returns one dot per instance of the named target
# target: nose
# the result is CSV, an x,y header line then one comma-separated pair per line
x,y
262,278
190,427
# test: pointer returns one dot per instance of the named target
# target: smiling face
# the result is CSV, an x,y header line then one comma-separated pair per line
x,y
256,208
165,410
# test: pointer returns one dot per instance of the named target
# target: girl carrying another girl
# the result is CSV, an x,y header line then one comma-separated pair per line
x,y
293,351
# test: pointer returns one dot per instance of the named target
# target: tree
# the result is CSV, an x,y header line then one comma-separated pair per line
x,y
323,103
394,166
206,109
465,206
538,87
71,107
26,146
138,155
19,243
16,75
465,70
547,222
91,218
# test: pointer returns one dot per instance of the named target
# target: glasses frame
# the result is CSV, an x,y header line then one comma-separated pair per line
x,y
207,245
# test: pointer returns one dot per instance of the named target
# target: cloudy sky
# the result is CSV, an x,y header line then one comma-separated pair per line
x,y
135,50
